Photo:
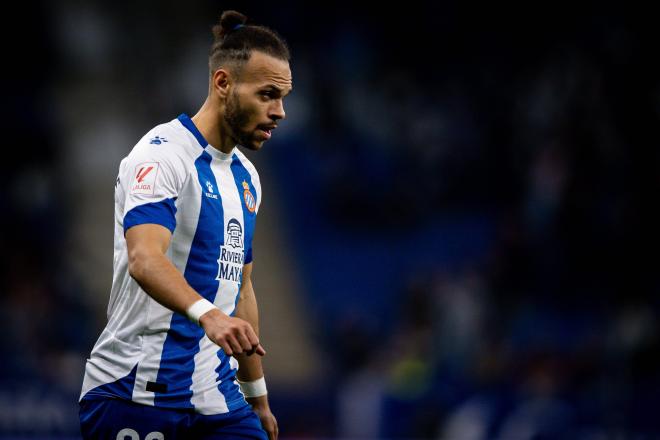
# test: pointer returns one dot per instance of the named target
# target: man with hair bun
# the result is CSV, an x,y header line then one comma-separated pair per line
x,y
180,355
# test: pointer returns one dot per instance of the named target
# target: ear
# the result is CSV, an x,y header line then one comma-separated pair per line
x,y
220,82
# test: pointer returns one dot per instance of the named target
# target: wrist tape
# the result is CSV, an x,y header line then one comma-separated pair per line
x,y
198,308
254,388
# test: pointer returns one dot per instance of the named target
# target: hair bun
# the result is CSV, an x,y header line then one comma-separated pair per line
x,y
228,23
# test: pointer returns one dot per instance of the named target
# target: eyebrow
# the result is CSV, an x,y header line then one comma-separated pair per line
x,y
275,88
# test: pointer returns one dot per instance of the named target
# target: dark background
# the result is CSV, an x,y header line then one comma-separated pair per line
x,y
463,194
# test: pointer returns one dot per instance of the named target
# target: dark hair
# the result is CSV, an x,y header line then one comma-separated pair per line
x,y
235,40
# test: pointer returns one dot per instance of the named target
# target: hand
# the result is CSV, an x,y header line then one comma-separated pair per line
x,y
268,421
233,335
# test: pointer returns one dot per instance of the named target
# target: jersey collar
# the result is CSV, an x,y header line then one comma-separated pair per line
x,y
190,125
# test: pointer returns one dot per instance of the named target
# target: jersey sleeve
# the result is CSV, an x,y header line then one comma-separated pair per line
x,y
154,177
248,253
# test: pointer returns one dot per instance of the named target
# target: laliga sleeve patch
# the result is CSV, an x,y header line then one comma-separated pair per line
x,y
144,181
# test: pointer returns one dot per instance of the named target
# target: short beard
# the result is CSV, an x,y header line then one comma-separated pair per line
x,y
237,118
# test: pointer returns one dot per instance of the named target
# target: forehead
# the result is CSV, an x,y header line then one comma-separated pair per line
x,y
263,69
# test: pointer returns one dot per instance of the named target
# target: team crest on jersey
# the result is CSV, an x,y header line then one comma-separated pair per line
x,y
230,263
145,178
250,203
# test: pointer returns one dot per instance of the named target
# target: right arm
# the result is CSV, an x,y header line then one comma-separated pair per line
x,y
155,273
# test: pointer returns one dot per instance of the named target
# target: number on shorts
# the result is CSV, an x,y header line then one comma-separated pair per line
x,y
131,434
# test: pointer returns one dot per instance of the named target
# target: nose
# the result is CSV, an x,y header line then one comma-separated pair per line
x,y
276,111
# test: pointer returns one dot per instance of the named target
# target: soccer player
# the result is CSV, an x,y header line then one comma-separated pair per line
x,y
182,314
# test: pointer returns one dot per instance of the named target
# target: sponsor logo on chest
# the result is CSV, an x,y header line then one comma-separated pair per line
x,y
232,255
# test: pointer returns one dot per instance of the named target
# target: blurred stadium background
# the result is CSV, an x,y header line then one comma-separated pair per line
x,y
458,227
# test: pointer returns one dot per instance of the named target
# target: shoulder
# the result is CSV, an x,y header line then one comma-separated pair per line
x,y
165,140
166,144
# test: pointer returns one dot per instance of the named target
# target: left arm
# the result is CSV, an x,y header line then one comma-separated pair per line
x,y
249,367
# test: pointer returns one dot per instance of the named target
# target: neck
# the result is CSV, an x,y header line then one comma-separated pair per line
x,y
208,121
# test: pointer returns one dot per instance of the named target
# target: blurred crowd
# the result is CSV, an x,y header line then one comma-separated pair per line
x,y
548,329
469,197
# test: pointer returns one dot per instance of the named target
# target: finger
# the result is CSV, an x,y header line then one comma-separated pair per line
x,y
235,346
272,433
256,348
243,340
252,336
226,348
224,344
260,350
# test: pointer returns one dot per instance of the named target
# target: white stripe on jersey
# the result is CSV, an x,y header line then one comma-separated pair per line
x,y
159,316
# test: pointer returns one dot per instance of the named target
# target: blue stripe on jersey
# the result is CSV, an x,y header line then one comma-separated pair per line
x,y
161,213
122,388
227,387
241,174
226,374
190,125
182,341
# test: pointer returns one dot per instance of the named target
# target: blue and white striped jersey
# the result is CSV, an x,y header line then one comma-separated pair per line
x,y
209,200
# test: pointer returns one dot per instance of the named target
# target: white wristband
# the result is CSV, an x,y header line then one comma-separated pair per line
x,y
198,308
255,388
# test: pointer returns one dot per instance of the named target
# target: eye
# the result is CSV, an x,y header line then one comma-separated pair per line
x,y
267,94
